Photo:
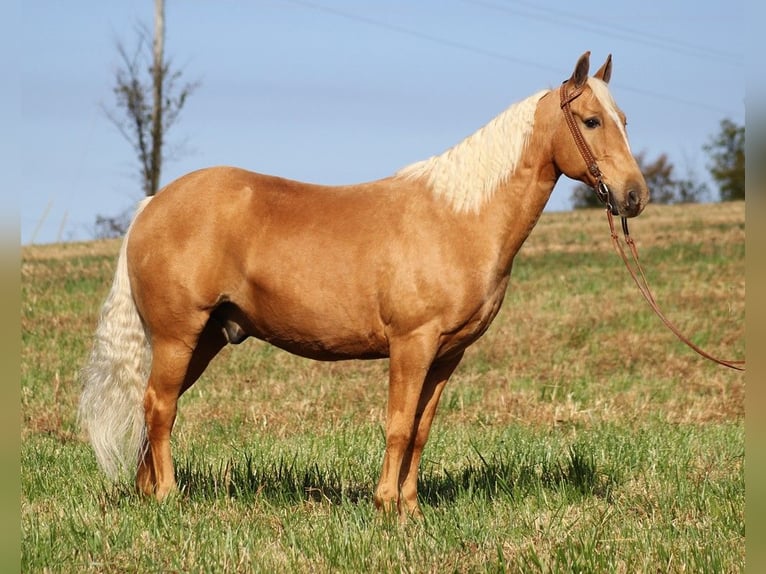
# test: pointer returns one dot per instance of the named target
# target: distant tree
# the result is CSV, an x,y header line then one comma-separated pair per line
x,y
659,178
149,99
727,155
663,185
667,188
112,225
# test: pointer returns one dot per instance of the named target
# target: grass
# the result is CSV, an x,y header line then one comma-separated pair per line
x,y
578,434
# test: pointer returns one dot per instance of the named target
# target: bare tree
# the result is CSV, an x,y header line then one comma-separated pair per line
x,y
149,98
159,70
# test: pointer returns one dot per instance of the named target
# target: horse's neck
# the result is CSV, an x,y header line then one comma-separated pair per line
x,y
513,206
517,205
495,183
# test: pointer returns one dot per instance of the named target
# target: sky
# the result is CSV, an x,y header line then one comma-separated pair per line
x,y
339,92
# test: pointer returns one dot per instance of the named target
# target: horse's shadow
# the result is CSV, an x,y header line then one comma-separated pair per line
x,y
290,481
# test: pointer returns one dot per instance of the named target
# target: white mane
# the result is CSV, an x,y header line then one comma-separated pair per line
x,y
467,174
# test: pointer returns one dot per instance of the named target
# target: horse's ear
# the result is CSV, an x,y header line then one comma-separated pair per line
x,y
605,71
580,74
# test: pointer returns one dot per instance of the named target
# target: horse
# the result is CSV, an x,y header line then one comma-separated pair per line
x,y
412,267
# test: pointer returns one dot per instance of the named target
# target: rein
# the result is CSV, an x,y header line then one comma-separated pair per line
x,y
602,191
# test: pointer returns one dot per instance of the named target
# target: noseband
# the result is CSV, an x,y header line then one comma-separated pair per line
x,y
602,191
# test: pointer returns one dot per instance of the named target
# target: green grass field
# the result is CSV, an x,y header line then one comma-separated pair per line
x,y
578,435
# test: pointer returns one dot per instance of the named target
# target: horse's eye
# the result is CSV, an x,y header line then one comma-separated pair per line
x,y
592,123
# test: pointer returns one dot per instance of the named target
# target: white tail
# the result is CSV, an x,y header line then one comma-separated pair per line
x,y
114,379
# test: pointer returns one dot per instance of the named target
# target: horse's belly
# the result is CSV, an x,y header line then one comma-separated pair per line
x,y
322,332
324,350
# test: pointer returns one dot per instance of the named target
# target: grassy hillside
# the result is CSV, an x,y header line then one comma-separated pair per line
x,y
577,434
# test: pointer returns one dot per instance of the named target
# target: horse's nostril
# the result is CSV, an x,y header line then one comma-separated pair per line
x,y
632,198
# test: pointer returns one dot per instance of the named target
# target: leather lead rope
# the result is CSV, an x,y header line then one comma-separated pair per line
x,y
640,279
602,191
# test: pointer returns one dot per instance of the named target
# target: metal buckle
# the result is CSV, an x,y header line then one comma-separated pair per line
x,y
602,191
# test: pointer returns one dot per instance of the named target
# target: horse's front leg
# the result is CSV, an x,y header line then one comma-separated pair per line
x,y
437,378
410,360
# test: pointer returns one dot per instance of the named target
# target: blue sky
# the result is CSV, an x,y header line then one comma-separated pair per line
x,y
340,92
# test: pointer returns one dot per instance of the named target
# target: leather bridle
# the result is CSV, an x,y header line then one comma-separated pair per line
x,y
594,173
603,193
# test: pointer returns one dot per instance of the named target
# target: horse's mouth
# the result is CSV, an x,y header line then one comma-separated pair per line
x,y
630,207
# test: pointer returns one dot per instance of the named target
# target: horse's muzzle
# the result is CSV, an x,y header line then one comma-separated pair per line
x,y
632,205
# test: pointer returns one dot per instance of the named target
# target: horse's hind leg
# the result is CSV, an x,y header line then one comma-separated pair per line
x,y
175,368
170,361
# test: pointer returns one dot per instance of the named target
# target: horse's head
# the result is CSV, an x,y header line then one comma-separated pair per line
x,y
590,141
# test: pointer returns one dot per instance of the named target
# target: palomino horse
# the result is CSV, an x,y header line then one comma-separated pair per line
x,y
413,267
